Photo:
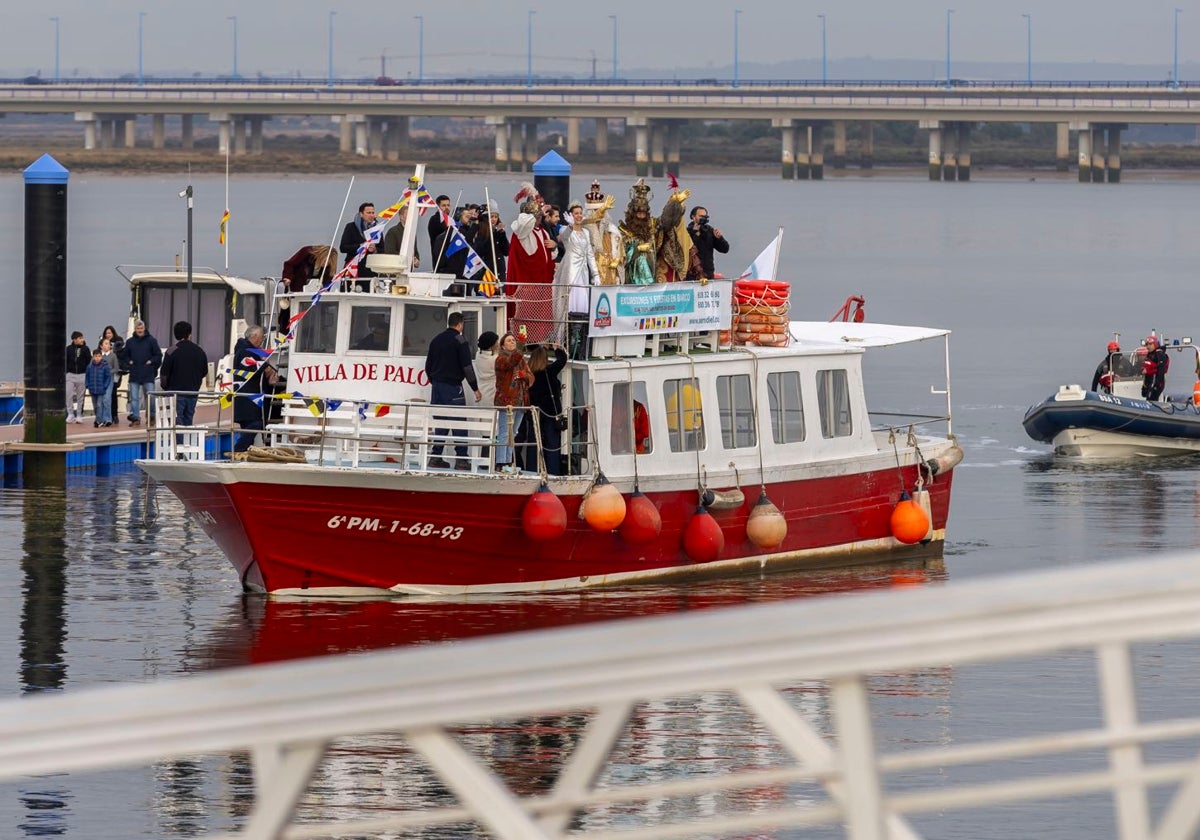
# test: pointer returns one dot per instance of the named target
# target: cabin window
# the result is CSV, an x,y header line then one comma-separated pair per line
x,y
786,408
627,436
421,323
833,398
736,408
318,331
370,327
685,415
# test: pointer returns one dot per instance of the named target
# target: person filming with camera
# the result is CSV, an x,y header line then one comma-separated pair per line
x,y
707,239
545,394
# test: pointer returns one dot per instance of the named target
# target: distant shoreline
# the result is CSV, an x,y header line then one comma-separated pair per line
x,y
290,162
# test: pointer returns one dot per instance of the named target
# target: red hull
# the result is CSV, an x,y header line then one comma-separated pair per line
x,y
298,538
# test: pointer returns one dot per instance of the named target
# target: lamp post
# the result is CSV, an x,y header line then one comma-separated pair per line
x,y
420,48
529,54
141,16
613,18
1028,48
234,19
329,76
736,14
1175,61
56,23
824,53
948,13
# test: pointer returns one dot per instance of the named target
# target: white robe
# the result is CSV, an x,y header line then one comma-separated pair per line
x,y
578,269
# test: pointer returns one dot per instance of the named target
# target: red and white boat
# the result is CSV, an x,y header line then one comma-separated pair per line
x,y
758,457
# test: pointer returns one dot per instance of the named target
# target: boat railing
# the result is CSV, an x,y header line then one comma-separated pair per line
x,y
884,421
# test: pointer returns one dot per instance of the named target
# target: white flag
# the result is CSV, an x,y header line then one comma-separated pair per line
x,y
764,265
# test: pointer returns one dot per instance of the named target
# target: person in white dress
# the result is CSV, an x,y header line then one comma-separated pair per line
x,y
575,274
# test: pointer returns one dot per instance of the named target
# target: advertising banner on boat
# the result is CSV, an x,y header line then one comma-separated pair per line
x,y
660,308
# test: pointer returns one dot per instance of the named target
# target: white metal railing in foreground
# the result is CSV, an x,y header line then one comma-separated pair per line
x,y
286,714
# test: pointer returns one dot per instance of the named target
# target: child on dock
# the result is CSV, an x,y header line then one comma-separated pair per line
x,y
99,379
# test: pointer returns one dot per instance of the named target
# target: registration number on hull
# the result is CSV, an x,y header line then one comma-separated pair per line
x,y
394,526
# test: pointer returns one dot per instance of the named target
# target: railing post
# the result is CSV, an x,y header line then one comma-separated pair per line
x,y
1125,759
864,799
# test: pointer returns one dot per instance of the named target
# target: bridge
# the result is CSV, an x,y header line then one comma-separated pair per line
x,y
374,118
801,676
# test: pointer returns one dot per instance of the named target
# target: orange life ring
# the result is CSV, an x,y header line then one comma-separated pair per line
x,y
756,318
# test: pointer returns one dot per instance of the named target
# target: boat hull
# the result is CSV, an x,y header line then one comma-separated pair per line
x,y
291,529
1087,424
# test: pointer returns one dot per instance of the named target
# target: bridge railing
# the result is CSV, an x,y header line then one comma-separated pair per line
x,y
287,715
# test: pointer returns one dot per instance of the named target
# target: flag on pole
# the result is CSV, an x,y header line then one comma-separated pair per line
x,y
763,267
224,221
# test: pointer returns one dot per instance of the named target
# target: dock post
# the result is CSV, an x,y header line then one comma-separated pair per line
x,y
935,148
552,179
45,302
1114,154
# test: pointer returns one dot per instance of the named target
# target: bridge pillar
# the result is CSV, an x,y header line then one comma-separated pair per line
x,y
398,127
89,128
124,134
239,136
375,137
187,135
345,133
787,152
1062,147
804,152
573,136
657,142
531,144
1114,154
500,127
816,151
867,155
158,131
360,136
964,151
601,136
935,148
1085,154
641,145
224,132
256,135
839,144
673,146
949,152
516,154
1098,149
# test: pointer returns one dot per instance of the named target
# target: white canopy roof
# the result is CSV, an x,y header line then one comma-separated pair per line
x,y
861,335
241,285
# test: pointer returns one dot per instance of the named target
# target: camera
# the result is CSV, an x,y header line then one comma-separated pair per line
x,y
701,221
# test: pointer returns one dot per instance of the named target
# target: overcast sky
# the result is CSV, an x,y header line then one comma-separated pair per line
x,y
467,37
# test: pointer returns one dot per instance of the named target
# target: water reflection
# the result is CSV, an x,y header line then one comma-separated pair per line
x,y
43,630
257,629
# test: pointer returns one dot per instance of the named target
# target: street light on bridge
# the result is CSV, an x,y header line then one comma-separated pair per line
x,y
1175,62
948,13
613,18
824,53
736,14
234,19
529,56
1028,48
420,47
56,22
141,16
329,81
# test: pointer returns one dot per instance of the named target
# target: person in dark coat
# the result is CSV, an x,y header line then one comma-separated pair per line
x,y
1112,365
122,366
145,356
252,376
77,359
447,364
354,235
184,369
309,262
545,394
707,239
1154,369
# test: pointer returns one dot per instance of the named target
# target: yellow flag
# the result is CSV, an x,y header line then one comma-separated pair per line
x,y
227,399
224,219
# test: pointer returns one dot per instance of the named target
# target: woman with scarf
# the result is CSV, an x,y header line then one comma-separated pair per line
x,y
513,379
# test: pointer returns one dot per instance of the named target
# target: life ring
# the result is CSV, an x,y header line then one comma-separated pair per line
x,y
762,285
755,318
774,339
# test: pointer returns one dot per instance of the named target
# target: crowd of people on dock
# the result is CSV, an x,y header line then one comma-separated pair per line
x,y
97,374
